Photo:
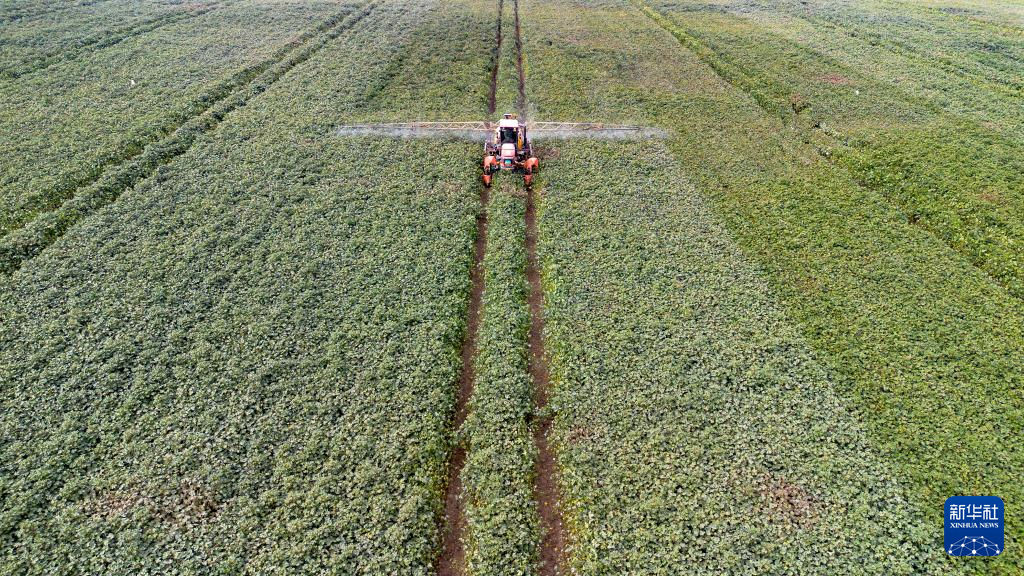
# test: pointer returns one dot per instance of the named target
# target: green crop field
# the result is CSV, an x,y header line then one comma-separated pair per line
x,y
257,318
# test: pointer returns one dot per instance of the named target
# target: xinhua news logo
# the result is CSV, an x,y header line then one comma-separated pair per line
x,y
974,526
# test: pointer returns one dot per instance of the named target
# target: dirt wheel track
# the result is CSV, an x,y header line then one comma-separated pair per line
x,y
520,69
452,560
546,491
492,97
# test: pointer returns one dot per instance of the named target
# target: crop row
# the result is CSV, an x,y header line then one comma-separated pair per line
x,y
29,240
63,127
910,333
248,362
501,515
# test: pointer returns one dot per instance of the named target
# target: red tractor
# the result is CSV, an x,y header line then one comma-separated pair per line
x,y
509,149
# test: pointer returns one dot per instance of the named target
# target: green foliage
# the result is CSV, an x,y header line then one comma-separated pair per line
x,y
63,127
228,337
970,196
502,533
36,39
958,177
910,332
34,237
247,363
697,431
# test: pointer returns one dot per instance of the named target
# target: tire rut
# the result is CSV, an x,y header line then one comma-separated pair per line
x,y
492,96
547,494
452,560
521,101
546,491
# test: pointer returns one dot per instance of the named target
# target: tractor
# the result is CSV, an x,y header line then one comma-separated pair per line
x,y
508,149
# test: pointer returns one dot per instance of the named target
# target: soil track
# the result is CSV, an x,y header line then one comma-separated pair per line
x,y
546,493
521,99
492,97
452,561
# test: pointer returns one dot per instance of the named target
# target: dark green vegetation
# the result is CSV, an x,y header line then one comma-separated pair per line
x,y
780,337
502,535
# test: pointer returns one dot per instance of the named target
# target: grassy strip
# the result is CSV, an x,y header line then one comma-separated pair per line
x,y
501,516
29,240
911,333
697,432
247,364
64,129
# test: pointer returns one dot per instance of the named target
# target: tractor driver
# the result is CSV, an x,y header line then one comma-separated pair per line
x,y
508,136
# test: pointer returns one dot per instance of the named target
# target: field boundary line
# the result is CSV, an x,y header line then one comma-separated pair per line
x,y
35,236
111,38
739,79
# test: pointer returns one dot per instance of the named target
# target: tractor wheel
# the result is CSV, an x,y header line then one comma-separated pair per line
x,y
487,179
